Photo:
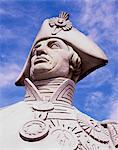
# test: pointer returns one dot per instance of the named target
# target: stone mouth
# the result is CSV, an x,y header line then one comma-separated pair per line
x,y
40,60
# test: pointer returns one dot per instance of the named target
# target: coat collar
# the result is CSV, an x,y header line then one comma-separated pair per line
x,y
58,90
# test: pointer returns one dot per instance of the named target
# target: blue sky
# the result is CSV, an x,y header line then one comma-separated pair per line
x,y
20,20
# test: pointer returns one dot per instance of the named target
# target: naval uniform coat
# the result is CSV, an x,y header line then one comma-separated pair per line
x,y
27,126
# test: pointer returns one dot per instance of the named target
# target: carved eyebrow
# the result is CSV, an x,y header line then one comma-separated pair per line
x,y
37,45
38,41
50,43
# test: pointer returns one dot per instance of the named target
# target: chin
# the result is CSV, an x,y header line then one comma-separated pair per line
x,y
49,71
42,73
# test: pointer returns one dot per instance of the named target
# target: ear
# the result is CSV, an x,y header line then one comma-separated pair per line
x,y
75,64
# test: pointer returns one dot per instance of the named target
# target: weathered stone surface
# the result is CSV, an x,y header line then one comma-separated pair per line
x,y
46,119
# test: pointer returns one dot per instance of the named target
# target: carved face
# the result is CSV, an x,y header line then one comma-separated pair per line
x,y
50,58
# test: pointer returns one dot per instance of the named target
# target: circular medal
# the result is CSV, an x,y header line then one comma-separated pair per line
x,y
34,130
65,138
43,106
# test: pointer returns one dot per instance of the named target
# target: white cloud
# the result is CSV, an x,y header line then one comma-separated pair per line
x,y
98,102
8,74
94,101
99,19
114,111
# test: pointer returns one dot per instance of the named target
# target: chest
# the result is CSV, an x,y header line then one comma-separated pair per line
x,y
62,129
58,129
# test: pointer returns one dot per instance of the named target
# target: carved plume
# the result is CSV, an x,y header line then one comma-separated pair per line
x,y
64,15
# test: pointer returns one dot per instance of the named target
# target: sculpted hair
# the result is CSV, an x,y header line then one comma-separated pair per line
x,y
75,65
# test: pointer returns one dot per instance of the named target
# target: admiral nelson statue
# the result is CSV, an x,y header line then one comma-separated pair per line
x,y
46,120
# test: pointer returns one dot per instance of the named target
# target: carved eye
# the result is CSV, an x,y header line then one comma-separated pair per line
x,y
54,45
36,46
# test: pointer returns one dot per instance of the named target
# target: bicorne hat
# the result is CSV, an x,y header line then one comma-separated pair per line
x,y
91,55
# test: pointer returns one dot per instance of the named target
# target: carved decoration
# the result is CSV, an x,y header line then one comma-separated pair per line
x,y
49,97
113,129
60,23
32,90
64,134
70,136
61,122
87,146
34,130
95,130
65,138
64,92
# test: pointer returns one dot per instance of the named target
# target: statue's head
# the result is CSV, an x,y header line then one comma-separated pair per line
x,y
53,58
60,50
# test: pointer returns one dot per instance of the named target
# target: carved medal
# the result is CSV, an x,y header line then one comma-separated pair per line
x,y
65,138
34,130
64,134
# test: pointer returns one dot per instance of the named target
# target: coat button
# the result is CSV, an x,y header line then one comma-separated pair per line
x,y
43,106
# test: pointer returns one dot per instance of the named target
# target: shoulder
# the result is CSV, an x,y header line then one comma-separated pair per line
x,y
92,127
83,116
112,127
12,109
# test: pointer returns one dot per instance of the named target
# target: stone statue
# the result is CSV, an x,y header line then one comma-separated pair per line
x,y
46,120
